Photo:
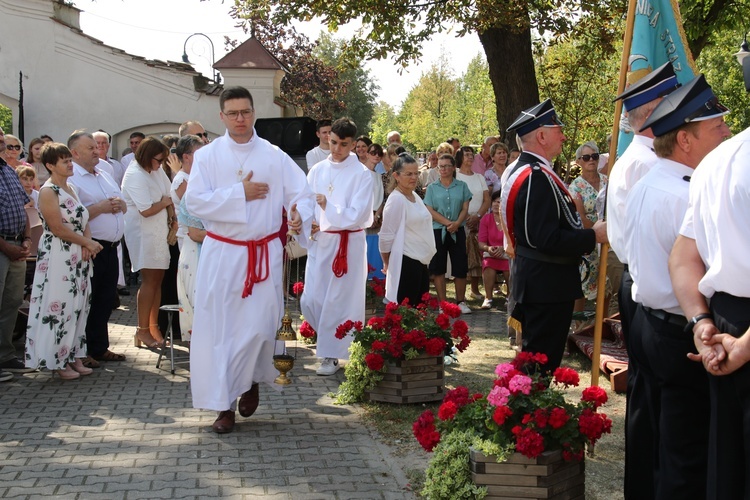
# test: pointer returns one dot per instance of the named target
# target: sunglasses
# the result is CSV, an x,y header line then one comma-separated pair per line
x,y
14,147
590,157
204,135
375,153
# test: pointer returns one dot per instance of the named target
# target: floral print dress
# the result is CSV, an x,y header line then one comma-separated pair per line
x,y
581,189
59,306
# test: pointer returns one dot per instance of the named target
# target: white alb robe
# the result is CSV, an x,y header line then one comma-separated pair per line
x,y
233,338
327,300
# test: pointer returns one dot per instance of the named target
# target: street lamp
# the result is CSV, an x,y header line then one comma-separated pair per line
x,y
217,76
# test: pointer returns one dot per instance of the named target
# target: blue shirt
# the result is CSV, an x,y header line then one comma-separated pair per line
x,y
447,201
12,201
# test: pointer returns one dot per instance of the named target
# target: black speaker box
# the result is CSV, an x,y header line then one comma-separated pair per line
x,y
294,136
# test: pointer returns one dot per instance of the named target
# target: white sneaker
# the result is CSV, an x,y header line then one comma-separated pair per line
x,y
487,304
464,308
328,366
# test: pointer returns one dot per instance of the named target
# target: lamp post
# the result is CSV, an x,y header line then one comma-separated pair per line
x,y
217,76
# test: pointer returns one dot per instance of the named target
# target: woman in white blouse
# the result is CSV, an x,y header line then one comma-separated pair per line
x,y
145,188
407,242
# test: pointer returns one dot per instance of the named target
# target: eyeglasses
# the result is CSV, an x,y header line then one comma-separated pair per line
x,y
205,134
590,157
158,159
14,147
445,166
234,115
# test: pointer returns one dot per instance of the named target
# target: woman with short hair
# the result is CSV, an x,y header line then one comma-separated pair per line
x,y
499,154
13,150
145,188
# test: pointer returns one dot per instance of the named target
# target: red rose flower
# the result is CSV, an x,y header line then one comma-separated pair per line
x,y
595,395
374,361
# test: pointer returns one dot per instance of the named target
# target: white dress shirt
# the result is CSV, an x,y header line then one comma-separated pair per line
x,y
654,211
93,188
627,170
717,217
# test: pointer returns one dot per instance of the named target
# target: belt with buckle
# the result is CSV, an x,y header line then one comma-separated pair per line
x,y
662,315
13,237
106,244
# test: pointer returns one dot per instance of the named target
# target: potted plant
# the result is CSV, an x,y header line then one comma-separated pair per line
x,y
523,438
398,357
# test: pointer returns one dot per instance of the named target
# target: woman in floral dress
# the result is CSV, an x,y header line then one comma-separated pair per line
x,y
584,190
59,306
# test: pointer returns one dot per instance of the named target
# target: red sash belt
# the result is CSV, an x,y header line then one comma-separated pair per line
x,y
340,264
255,270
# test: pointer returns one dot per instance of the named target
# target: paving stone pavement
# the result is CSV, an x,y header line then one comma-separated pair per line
x,y
129,431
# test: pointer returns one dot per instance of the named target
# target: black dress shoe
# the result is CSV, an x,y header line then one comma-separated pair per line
x,y
249,401
123,291
224,422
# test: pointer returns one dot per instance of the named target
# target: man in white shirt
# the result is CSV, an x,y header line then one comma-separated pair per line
x,y
709,261
135,141
239,185
102,139
100,194
638,100
687,124
337,260
322,150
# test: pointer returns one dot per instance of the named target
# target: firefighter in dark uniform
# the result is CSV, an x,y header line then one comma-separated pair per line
x,y
548,236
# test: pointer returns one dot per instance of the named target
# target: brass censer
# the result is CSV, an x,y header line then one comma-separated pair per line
x,y
284,362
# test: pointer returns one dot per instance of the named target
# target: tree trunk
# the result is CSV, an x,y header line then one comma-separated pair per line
x,y
512,74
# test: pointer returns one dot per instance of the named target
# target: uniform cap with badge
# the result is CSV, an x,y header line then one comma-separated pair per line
x,y
693,102
541,115
659,83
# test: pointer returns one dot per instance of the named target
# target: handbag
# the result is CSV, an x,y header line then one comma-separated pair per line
x,y
171,219
293,249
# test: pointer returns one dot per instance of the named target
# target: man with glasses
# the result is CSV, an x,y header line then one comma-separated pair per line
x,y
194,128
15,242
239,185
548,236
102,197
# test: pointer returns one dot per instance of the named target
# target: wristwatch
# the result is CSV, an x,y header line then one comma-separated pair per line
x,y
695,319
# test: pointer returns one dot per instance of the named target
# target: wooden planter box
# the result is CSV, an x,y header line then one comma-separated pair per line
x,y
417,380
547,476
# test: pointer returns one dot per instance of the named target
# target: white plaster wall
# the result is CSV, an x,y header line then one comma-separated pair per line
x,y
73,82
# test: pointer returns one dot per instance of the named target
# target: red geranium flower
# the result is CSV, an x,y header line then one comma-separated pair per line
x,y
306,330
501,414
298,288
451,310
425,432
374,361
529,442
595,395
443,321
435,347
566,376
447,410
558,417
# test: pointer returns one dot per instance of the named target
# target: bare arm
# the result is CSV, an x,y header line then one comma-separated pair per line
x,y
437,217
49,207
157,207
587,224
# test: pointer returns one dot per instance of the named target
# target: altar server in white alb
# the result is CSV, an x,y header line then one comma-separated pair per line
x,y
336,270
238,186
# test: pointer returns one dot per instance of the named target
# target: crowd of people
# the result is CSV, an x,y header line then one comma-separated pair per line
x,y
674,220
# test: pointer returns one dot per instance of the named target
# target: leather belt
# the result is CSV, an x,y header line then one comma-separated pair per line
x,y
13,237
530,253
105,243
662,315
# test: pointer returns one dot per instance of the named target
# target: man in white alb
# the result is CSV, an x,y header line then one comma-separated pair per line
x,y
337,260
238,186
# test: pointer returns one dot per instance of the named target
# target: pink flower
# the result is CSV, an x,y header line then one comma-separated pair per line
x,y
520,383
42,266
70,203
498,396
73,259
63,352
55,307
503,369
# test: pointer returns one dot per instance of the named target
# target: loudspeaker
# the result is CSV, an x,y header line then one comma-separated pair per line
x,y
294,136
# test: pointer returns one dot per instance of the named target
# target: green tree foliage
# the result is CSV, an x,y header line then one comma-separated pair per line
x,y
473,111
424,117
724,75
384,120
6,119
361,91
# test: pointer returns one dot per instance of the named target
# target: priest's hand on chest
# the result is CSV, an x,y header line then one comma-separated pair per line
x,y
254,190
320,199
